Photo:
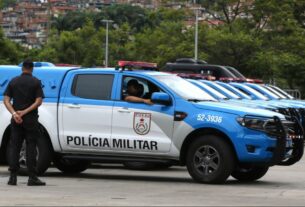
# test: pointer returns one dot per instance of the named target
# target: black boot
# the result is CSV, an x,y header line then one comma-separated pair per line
x,y
13,179
34,181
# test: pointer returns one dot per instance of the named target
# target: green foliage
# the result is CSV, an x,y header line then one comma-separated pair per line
x,y
130,37
6,3
299,11
10,52
137,17
169,43
227,48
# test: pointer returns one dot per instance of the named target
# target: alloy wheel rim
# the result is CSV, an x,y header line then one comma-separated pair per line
x,y
206,160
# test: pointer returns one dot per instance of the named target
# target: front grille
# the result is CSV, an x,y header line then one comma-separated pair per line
x,y
302,116
293,129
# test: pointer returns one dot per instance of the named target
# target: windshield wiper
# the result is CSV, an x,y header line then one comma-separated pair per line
x,y
199,100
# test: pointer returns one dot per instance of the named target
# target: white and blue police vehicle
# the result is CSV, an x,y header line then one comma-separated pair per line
x,y
84,118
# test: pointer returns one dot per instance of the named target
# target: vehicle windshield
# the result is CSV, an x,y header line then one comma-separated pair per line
x,y
212,90
224,90
282,91
184,89
236,91
264,90
275,92
254,92
235,72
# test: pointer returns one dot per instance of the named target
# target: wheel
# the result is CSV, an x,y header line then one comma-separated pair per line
x,y
68,166
249,173
146,165
44,155
210,159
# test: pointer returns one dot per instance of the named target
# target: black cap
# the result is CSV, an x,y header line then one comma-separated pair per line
x,y
27,64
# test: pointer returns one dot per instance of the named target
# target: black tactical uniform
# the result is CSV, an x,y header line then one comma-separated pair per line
x,y
24,90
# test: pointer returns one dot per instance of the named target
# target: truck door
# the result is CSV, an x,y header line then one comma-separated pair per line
x,y
85,112
139,127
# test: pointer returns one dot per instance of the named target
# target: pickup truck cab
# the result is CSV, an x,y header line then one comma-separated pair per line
x,y
85,118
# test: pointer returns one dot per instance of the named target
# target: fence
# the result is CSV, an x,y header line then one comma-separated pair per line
x,y
294,92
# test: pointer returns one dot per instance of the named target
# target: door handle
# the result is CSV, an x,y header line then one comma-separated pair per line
x,y
73,106
124,110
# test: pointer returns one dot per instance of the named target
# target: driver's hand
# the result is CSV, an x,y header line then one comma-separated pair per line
x,y
148,101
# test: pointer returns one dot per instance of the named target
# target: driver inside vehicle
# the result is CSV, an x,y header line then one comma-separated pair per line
x,y
135,91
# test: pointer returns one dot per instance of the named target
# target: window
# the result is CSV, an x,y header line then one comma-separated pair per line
x,y
184,71
145,88
183,88
93,86
244,91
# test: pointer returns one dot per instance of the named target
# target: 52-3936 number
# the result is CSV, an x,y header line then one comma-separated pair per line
x,y
209,118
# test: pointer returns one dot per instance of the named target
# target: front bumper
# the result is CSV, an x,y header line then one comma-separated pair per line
x,y
284,149
297,149
279,151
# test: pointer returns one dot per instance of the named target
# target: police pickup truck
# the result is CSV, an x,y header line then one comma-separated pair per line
x,y
84,118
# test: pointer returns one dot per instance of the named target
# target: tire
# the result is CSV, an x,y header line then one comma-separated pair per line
x,y
147,165
43,156
250,173
210,159
68,166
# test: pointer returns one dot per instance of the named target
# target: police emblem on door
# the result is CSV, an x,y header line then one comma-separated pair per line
x,y
141,123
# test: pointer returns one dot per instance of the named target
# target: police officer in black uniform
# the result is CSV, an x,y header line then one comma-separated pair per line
x,y
26,93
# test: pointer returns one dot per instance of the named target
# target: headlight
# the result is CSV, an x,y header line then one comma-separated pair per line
x,y
262,124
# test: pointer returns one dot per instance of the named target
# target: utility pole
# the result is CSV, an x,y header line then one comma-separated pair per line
x,y
196,35
49,19
196,30
106,46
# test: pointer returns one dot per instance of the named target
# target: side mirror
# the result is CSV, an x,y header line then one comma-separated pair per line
x,y
161,98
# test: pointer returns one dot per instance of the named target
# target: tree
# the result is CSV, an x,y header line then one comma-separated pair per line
x,y
79,47
71,21
224,10
227,48
7,3
164,43
299,12
10,52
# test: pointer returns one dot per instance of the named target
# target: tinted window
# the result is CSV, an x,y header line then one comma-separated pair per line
x,y
235,72
184,71
93,86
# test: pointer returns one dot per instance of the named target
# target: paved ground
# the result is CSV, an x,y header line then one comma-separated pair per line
x,y
113,185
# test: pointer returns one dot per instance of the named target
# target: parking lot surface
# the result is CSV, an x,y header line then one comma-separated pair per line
x,y
112,185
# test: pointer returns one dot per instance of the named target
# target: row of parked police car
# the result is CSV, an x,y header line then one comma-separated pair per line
x,y
235,127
